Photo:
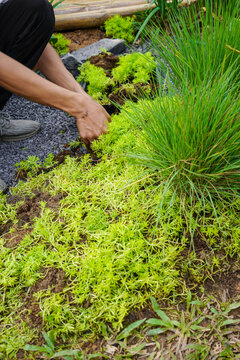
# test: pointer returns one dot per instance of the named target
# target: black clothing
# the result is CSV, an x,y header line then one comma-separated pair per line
x,y
25,29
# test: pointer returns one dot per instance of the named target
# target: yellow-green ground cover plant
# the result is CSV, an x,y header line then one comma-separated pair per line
x,y
131,69
120,27
125,230
105,239
60,43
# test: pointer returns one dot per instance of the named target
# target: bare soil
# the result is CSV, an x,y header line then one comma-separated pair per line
x,y
105,61
84,37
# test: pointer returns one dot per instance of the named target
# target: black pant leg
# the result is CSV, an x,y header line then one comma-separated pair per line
x,y
25,29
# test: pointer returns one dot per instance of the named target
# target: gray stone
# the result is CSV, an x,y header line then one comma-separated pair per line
x,y
115,46
73,60
3,186
72,64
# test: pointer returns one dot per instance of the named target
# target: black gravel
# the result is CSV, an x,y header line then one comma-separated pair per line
x,y
57,129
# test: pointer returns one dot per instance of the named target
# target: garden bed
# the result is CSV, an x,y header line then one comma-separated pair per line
x,y
125,252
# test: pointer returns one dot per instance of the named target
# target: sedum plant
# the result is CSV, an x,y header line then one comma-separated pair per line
x,y
97,80
60,43
120,27
131,69
137,66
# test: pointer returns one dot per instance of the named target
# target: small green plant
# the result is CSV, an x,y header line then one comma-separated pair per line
x,y
97,80
131,69
136,67
157,8
60,43
120,27
198,328
31,165
74,144
50,351
49,162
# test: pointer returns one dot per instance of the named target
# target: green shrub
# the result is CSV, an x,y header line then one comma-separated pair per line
x,y
136,67
60,43
120,27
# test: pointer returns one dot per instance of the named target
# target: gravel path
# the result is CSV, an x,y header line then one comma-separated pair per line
x,y
57,129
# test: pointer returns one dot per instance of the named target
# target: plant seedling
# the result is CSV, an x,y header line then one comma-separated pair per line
x,y
49,349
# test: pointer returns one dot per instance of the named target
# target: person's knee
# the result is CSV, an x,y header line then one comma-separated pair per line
x,y
42,8
42,12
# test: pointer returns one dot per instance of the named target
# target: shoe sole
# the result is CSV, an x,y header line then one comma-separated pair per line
x,y
19,137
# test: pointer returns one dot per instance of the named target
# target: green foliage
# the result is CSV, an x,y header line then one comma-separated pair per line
x,y
120,234
97,80
49,349
180,147
60,43
159,10
32,164
137,66
200,43
55,3
105,239
120,28
202,324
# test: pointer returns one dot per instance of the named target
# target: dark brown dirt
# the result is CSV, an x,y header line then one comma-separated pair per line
x,y
104,60
225,286
31,208
81,38
123,94
52,278
14,239
4,228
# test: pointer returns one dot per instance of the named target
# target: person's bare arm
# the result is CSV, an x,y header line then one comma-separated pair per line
x,y
91,117
51,65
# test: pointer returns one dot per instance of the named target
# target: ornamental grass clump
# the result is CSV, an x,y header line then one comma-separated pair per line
x,y
190,143
199,42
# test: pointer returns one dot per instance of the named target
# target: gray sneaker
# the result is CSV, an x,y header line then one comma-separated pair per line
x,y
14,130
3,186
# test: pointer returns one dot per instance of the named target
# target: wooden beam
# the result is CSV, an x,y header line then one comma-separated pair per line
x,y
93,18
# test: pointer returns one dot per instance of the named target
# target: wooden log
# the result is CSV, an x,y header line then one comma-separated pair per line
x,y
77,14
72,8
89,19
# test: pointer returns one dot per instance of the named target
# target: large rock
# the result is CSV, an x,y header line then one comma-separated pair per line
x,y
76,58
71,63
115,46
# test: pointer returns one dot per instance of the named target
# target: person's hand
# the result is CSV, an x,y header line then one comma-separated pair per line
x,y
92,121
